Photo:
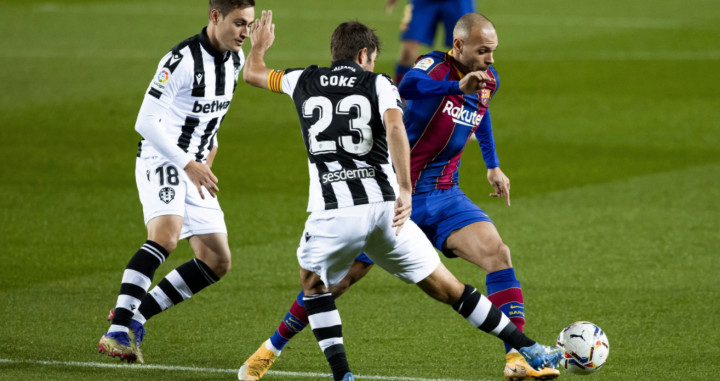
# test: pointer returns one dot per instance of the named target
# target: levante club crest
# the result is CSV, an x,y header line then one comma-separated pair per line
x,y
167,194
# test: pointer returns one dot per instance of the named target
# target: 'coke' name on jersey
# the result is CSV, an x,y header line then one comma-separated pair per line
x,y
337,80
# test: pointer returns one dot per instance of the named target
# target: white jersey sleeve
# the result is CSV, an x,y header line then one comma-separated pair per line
x,y
388,95
153,109
168,82
290,80
284,81
148,125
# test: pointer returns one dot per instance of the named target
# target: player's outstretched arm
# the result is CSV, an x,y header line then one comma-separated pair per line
x,y
400,152
262,35
148,125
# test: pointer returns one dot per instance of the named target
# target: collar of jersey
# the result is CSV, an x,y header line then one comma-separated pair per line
x,y
205,42
452,63
352,64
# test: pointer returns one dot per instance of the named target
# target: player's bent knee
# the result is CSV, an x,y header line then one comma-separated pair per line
x,y
442,286
502,257
165,231
166,238
220,266
168,244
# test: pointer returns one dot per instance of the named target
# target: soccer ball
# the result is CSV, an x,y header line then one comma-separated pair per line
x,y
585,347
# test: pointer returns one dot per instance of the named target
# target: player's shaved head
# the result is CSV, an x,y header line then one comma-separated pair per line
x,y
474,41
469,21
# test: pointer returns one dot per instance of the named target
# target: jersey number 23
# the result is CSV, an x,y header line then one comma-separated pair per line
x,y
358,124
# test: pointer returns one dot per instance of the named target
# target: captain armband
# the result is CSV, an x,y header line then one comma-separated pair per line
x,y
275,81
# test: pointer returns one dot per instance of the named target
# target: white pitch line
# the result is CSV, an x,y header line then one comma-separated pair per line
x,y
206,370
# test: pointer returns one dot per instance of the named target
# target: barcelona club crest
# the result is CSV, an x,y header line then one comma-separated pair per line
x,y
167,194
485,97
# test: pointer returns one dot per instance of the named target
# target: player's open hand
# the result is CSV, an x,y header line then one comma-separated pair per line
x,y
500,183
403,209
201,175
475,81
262,31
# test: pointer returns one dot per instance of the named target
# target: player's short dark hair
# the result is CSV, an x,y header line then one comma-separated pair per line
x,y
351,37
227,6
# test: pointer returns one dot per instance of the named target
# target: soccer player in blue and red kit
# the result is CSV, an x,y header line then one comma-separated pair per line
x,y
448,95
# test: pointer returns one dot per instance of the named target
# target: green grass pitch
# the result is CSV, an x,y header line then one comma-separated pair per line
x,y
607,123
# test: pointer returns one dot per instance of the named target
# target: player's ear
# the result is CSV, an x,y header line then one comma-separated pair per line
x,y
362,56
458,45
214,16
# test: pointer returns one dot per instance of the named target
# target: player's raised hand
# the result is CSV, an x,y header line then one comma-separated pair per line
x,y
262,32
403,209
500,183
474,81
201,175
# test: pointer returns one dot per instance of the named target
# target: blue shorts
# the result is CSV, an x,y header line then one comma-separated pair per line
x,y
425,15
440,212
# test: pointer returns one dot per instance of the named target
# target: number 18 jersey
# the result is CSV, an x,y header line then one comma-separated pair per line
x,y
341,116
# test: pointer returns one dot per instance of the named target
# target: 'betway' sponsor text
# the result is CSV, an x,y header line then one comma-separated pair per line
x,y
210,107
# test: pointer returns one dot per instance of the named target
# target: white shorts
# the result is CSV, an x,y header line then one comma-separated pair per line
x,y
166,190
333,238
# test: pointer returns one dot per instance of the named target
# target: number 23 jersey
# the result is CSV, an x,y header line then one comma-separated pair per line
x,y
341,116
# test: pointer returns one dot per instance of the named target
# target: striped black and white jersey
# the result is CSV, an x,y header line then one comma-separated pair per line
x,y
340,110
194,85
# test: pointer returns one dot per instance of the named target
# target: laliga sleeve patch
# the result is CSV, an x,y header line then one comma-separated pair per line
x,y
161,79
424,63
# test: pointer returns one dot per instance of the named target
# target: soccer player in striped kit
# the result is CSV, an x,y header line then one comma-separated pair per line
x,y
178,120
443,111
351,121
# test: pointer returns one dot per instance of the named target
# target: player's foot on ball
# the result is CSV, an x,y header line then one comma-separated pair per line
x,y
256,366
518,369
136,333
117,344
348,377
542,356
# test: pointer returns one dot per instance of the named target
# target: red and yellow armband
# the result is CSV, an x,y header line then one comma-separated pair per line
x,y
275,81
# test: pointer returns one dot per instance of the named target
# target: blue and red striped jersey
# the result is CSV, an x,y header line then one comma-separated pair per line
x,y
440,120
